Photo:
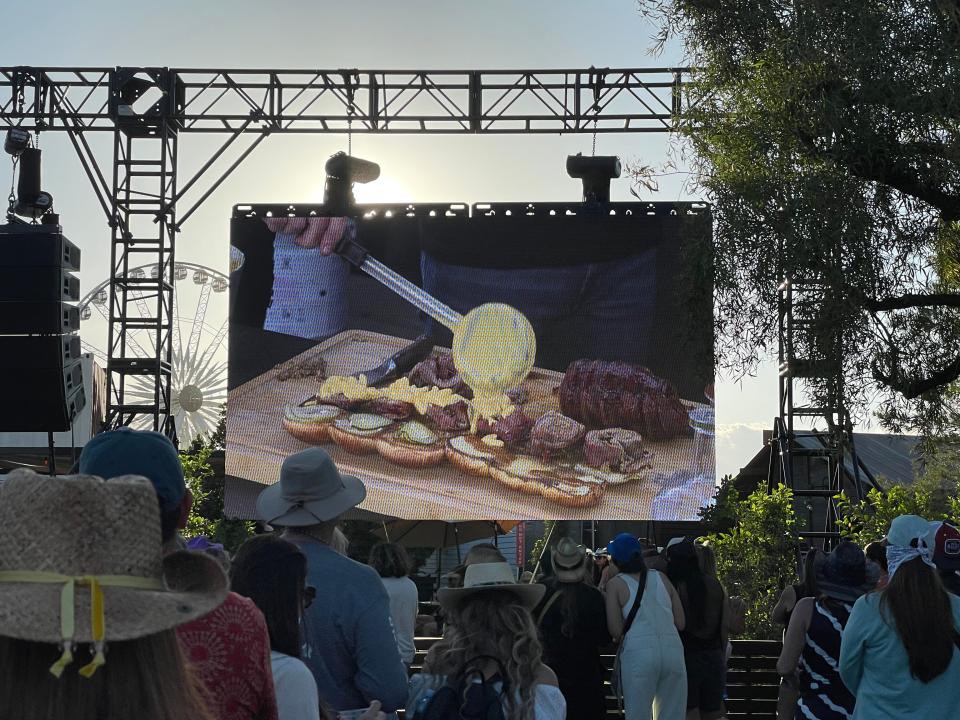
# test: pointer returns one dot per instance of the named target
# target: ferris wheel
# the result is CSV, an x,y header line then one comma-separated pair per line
x,y
199,368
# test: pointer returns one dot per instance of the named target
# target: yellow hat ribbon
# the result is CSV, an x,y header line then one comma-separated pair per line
x,y
98,624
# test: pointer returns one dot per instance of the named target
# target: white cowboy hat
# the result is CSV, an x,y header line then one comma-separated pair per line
x,y
311,490
491,576
569,561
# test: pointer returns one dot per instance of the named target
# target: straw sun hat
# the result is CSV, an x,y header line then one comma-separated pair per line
x,y
82,563
491,576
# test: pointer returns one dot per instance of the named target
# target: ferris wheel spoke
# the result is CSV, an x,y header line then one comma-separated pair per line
x,y
215,344
201,374
198,320
145,313
129,338
176,337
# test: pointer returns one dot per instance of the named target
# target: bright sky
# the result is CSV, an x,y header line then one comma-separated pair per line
x,y
364,34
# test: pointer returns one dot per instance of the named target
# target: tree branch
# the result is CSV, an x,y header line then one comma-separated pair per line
x,y
913,300
911,388
909,184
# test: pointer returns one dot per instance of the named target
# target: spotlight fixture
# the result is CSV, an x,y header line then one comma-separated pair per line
x,y
16,142
342,172
30,201
595,172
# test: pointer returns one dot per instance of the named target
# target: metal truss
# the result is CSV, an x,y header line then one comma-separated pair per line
x,y
820,465
364,101
148,108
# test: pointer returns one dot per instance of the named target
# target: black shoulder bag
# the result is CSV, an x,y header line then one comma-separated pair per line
x,y
615,681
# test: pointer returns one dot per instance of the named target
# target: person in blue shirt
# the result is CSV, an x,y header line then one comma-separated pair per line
x,y
900,654
348,639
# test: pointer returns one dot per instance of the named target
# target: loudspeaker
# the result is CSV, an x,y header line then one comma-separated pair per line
x,y
37,246
41,377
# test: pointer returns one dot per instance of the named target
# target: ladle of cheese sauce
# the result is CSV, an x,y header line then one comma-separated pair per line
x,y
494,345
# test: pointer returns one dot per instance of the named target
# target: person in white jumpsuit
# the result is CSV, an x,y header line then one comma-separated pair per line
x,y
652,672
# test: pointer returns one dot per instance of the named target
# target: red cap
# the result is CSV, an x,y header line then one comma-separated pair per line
x,y
946,547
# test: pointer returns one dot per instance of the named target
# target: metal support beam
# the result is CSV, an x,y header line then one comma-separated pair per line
x,y
144,184
610,100
141,203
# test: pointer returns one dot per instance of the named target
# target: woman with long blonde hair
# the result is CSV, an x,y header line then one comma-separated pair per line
x,y
490,652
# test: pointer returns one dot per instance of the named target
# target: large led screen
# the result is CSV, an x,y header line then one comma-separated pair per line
x,y
510,361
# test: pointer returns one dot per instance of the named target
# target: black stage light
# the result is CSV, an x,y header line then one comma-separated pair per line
x,y
31,202
16,142
342,172
595,172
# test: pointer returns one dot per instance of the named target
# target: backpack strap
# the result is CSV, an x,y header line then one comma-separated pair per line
x,y
641,586
469,670
553,598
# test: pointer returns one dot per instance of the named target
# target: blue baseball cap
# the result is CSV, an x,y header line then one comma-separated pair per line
x,y
126,451
623,547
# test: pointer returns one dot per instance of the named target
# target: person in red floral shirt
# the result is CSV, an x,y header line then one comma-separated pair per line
x,y
229,648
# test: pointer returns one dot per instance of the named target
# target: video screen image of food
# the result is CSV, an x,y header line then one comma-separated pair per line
x,y
500,360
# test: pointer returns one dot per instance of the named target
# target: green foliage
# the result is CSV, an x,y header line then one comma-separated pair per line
x,y
721,515
935,495
757,557
207,487
825,135
540,544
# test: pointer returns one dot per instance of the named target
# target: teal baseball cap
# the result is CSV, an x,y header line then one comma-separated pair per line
x,y
126,451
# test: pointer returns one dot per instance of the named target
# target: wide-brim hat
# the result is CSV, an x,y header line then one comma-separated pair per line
x,y
844,574
311,490
568,560
481,577
73,530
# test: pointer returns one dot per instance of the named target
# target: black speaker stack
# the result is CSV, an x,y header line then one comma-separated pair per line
x,y
41,376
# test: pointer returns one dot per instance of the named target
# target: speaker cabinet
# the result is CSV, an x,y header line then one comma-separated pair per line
x,y
41,376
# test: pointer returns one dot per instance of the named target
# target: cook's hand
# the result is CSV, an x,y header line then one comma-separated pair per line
x,y
373,712
314,232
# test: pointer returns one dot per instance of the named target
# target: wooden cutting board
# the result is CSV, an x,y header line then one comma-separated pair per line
x,y
257,444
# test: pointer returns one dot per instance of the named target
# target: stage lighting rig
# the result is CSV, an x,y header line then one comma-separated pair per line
x,y
595,172
30,201
16,142
342,172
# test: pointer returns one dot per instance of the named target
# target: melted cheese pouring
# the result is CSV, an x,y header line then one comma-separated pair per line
x,y
494,347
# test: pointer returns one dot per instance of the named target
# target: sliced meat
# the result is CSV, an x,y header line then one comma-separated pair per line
x,y
343,402
614,447
393,409
513,429
553,433
518,396
439,371
452,418
609,394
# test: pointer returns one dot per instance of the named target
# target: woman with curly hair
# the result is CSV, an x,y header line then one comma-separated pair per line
x,y
490,652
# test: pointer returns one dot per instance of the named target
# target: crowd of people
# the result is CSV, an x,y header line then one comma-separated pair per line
x,y
105,612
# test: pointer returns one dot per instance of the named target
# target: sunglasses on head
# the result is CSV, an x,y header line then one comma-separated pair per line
x,y
309,595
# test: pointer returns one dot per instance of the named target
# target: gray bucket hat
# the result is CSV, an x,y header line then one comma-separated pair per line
x,y
311,490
